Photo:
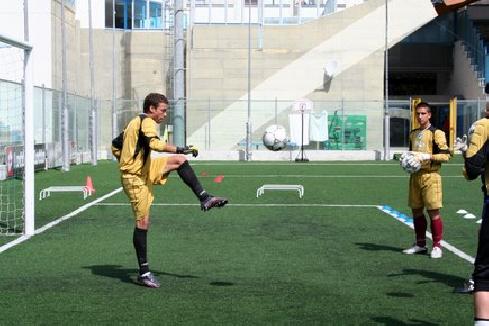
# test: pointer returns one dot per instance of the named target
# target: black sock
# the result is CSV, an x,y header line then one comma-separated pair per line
x,y
139,240
188,176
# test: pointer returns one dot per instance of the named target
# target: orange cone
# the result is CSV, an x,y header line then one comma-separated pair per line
x,y
89,185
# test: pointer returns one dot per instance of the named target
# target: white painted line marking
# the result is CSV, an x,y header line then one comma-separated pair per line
x,y
59,220
408,221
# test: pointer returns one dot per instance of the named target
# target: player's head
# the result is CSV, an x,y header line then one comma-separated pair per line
x,y
423,113
155,106
423,105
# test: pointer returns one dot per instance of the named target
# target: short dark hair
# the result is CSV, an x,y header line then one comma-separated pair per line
x,y
423,105
153,99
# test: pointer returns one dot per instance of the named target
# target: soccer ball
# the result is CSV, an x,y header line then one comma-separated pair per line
x,y
275,138
410,162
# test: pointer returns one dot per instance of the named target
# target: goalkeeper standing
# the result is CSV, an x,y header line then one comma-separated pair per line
x,y
139,172
477,164
425,191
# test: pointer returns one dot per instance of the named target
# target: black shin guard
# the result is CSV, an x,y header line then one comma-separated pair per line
x,y
188,176
139,240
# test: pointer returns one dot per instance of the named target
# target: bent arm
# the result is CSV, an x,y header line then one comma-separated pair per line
x,y
442,152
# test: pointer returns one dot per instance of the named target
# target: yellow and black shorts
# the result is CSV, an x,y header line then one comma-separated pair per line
x,y
425,190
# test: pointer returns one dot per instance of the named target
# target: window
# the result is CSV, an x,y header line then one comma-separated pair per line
x,y
140,18
147,14
155,15
123,14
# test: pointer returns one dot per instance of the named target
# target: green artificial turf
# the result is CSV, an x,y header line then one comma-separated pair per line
x,y
273,260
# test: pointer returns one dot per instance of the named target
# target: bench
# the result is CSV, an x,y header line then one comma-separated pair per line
x,y
299,188
46,192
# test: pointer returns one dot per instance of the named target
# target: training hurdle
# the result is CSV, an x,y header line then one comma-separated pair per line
x,y
46,192
261,190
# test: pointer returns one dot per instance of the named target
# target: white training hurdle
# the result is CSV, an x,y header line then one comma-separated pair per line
x,y
261,190
46,192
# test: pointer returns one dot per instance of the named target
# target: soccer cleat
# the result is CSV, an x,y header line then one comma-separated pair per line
x,y
436,252
468,287
213,201
415,250
148,280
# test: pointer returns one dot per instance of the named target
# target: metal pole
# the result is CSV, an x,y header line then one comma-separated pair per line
x,y
44,127
209,122
179,89
64,100
29,133
114,115
248,123
386,87
93,144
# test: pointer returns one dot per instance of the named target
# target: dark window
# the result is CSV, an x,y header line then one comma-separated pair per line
x,y
412,84
123,14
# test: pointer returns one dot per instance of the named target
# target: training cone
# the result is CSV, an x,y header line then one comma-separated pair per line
x,y
89,185
218,179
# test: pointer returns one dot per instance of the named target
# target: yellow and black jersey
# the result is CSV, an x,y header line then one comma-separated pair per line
x,y
431,141
476,163
140,137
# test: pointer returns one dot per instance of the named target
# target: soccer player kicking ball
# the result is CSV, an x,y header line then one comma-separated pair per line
x,y
425,189
139,172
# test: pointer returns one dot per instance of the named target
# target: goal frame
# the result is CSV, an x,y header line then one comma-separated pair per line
x,y
28,125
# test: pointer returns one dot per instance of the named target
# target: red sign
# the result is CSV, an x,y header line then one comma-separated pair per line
x,y
9,153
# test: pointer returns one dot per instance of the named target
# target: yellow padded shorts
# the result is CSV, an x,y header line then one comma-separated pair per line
x,y
139,189
425,190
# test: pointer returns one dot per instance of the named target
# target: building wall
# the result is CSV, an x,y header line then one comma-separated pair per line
x,y
12,25
287,63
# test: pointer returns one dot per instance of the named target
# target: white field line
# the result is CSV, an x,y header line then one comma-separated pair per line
x,y
59,220
444,244
394,214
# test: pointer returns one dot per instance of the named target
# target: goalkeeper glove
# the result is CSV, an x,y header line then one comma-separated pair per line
x,y
424,157
188,150
461,143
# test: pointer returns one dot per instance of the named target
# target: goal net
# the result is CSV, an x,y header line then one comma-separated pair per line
x,y
16,177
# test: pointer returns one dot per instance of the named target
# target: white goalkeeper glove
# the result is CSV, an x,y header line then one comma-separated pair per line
x,y
461,143
424,157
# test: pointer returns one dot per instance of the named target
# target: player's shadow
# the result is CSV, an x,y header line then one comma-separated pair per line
x,y
375,247
431,277
126,275
388,321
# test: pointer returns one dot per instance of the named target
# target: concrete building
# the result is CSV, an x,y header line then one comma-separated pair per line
x,y
268,55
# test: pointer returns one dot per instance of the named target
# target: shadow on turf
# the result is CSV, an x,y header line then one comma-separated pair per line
x,y
392,321
449,280
126,275
375,247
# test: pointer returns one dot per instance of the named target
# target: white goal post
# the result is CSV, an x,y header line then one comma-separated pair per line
x,y
28,132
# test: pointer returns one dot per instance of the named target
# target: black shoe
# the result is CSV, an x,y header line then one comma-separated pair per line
x,y
212,201
468,287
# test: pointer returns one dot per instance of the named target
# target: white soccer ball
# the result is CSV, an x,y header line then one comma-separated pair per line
x,y
275,138
410,162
